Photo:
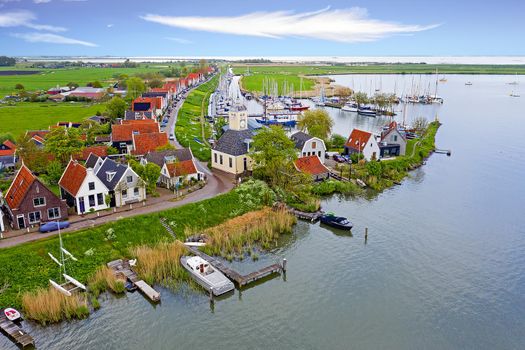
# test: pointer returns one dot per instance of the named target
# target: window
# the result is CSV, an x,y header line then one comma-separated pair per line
x,y
220,159
34,217
231,162
53,213
314,144
319,154
129,179
215,157
124,193
100,199
109,175
304,154
39,202
91,200
395,137
91,186
136,191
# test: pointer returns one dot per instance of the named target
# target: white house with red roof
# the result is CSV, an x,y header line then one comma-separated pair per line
x,y
312,166
82,189
363,142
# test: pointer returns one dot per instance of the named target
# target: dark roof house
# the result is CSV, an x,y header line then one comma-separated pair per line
x,y
234,142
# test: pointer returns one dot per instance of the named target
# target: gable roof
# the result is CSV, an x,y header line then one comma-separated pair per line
x,y
300,139
160,157
233,142
73,177
185,167
11,148
311,165
110,166
91,160
126,130
101,151
358,139
19,187
144,143
392,127
41,133
135,115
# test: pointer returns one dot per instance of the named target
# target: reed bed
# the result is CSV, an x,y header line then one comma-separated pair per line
x,y
104,279
262,227
51,306
160,263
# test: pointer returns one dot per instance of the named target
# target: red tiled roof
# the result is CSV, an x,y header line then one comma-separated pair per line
x,y
311,165
185,167
11,148
153,102
41,133
126,130
100,151
90,95
160,89
193,76
144,143
18,189
73,177
358,139
38,139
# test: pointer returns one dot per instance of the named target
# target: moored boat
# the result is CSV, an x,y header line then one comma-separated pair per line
x,y
339,222
349,107
367,111
12,314
206,275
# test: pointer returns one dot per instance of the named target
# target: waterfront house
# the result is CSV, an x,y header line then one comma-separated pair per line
x,y
28,202
230,152
308,145
362,142
393,142
313,166
122,134
124,185
82,189
176,166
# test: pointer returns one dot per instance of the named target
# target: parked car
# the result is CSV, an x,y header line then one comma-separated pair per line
x,y
53,226
339,159
172,137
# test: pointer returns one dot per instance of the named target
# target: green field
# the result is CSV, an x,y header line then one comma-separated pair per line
x,y
34,116
255,82
190,121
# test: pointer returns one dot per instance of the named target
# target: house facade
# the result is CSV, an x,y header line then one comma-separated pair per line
x,y
312,166
28,202
393,142
308,145
230,152
82,189
177,166
122,134
363,142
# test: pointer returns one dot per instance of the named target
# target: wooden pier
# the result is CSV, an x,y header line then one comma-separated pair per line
x,y
235,276
121,267
443,151
312,217
13,331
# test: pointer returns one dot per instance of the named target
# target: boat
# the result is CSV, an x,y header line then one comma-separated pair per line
x,y
367,111
339,222
443,79
513,94
298,106
53,226
349,107
515,82
468,83
206,275
12,314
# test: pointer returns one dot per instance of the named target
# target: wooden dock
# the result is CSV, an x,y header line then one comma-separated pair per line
x,y
443,151
312,217
13,331
235,276
121,267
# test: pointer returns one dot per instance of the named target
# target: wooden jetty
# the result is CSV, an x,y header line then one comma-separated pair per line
x,y
443,151
312,217
235,276
121,267
13,331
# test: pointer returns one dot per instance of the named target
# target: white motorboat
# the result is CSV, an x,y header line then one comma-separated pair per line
x,y
206,275
350,107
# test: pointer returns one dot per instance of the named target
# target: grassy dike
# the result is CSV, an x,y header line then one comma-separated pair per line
x,y
27,267
191,122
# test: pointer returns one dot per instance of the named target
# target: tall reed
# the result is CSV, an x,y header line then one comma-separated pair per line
x,y
104,279
49,305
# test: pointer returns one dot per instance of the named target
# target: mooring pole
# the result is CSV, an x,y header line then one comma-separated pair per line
x,y
283,266
366,234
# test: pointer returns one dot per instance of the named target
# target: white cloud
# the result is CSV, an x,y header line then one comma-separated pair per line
x,y
110,25
179,40
41,1
24,18
344,25
51,38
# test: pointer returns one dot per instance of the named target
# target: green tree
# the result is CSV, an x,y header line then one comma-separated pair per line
x,y
7,61
218,127
135,87
155,83
95,84
337,141
63,143
373,168
149,173
19,86
72,85
54,171
116,107
420,124
273,154
34,158
6,136
317,122
361,98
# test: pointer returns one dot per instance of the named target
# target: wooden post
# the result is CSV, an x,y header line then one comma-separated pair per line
x,y
284,265
211,294
366,234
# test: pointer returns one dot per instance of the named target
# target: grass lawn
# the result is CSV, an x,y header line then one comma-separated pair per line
x,y
27,267
255,81
33,115
190,121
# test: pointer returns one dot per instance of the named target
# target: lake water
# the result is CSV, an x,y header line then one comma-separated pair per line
x,y
443,267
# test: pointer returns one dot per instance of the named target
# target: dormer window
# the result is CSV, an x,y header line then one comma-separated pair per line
x,y
110,175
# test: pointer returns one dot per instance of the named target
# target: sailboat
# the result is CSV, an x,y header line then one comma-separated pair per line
x,y
322,99
515,82
65,288
443,79
514,94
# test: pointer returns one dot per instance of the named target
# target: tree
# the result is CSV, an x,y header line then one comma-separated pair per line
x,y
95,84
317,122
203,64
344,92
420,124
361,98
72,85
273,154
116,108
155,83
220,123
19,86
63,143
7,61
373,168
149,173
135,87
337,141
6,136
34,157
54,171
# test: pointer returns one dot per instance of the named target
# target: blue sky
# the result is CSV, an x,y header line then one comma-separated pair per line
x,y
261,28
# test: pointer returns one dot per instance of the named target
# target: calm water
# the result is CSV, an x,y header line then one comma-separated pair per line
x,y
443,268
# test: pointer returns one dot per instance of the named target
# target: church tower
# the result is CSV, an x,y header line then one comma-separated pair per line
x,y
238,118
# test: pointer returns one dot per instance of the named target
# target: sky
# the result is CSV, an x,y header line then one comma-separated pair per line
x,y
261,28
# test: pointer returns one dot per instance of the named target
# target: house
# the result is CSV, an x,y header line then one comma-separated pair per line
x,y
393,142
124,185
154,104
28,202
99,119
230,152
176,165
133,115
7,155
362,142
100,151
86,92
144,143
122,134
308,145
94,162
2,227
82,189
312,165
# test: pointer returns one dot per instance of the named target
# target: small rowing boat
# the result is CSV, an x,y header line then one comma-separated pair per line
x,y
12,314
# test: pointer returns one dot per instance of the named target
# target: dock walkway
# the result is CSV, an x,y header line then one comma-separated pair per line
x,y
17,335
123,268
241,280
312,217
